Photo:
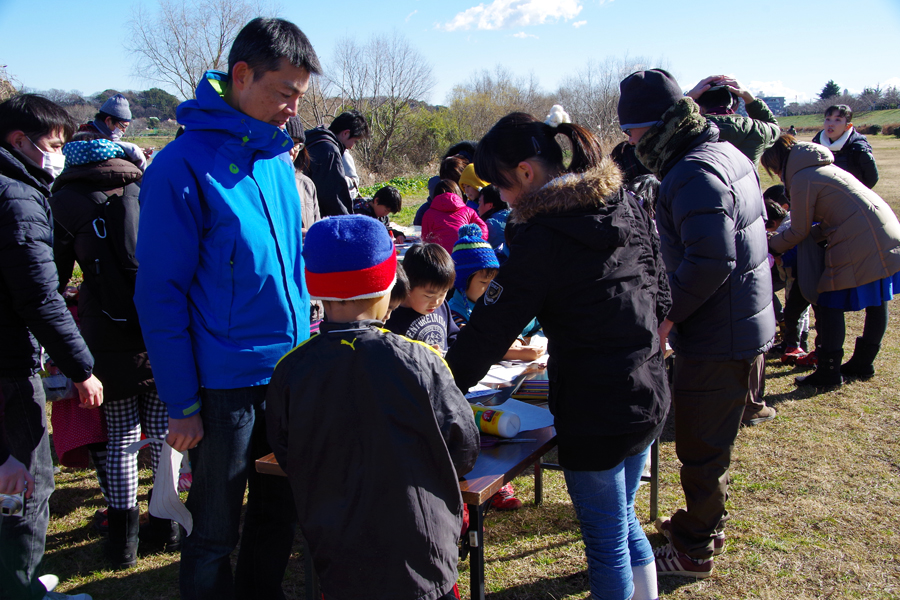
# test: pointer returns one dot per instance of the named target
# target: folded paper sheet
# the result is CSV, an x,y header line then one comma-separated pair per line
x,y
165,502
530,417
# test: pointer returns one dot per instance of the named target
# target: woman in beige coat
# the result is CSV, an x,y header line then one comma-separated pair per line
x,y
862,252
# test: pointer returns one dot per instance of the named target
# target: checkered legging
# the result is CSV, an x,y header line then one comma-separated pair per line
x,y
125,420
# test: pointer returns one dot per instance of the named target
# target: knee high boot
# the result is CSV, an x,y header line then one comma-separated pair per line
x,y
861,364
123,536
828,370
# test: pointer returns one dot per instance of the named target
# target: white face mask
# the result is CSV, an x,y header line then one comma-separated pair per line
x,y
53,162
116,134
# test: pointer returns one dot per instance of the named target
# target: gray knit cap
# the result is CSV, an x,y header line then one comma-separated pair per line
x,y
117,107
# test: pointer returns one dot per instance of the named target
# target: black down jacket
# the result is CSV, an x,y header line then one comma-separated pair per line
x,y
711,221
584,261
30,305
326,169
855,157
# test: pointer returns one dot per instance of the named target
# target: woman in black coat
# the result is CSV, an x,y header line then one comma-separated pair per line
x,y
95,207
584,261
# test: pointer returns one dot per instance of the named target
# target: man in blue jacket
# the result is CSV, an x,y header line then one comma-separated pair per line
x,y
221,299
711,222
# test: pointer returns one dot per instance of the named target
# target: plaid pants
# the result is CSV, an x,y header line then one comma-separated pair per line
x,y
125,420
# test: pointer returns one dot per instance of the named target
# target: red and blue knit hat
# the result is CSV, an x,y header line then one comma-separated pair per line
x,y
471,254
349,257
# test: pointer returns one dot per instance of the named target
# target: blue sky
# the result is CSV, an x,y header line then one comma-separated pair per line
x,y
786,47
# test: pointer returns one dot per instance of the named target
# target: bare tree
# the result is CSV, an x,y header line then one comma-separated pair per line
x,y
175,44
321,103
591,96
479,103
383,78
9,87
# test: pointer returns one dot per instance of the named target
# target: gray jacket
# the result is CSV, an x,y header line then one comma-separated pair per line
x,y
711,221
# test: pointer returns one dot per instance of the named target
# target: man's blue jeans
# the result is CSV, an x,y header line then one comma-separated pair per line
x,y
613,539
234,436
22,536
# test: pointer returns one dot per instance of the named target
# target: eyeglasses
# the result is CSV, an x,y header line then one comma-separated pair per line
x,y
627,132
123,125
298,146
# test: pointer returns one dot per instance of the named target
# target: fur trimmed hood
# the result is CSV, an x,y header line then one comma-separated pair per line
x,y
569,192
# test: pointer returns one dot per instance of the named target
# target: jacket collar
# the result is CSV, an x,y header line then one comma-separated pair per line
x,y
108,174
14,168
210,112
570,192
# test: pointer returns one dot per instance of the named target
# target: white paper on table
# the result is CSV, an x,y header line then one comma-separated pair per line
x,y
499,374
165,503
530,417
538,341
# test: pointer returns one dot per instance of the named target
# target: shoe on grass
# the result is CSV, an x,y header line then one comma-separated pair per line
x,y
766,413
505,499
665,527
792,355
808,360
670,561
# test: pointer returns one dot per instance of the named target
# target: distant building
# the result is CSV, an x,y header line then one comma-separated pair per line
x,y
775,104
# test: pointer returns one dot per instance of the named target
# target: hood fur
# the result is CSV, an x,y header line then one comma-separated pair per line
x,y
569,192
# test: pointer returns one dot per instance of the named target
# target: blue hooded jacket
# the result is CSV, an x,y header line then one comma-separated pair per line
x,y
220,290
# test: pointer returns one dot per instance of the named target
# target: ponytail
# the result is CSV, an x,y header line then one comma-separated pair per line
x,y
519,136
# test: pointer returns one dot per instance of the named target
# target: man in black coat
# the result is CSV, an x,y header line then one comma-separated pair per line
x,y
711,222
32,314
326,147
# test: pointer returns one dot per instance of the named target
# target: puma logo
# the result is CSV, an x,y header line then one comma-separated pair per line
x,y
349,343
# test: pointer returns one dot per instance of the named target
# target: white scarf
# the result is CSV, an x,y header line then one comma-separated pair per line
x,y
837,144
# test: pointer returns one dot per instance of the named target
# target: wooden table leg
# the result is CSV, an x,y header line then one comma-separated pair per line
x,y
538,484
476,551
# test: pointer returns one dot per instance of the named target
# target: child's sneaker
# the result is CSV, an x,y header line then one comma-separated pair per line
x,y
505,499
665,528
791,355
809,360
670,561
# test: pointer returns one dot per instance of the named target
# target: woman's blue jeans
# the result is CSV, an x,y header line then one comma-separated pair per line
x,y
613,539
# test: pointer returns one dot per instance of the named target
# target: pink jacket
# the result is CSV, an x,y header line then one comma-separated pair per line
x,y
441,222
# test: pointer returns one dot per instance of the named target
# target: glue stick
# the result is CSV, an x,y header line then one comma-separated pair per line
x,y
496,422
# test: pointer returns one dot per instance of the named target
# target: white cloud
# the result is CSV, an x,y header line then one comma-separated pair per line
x,y
578,24
522,35
409,16
777,88
503,14
892,82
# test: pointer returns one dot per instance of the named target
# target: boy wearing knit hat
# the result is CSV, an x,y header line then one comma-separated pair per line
x,y
371,430
711,221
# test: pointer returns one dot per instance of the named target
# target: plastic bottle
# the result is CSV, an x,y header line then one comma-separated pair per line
x,y
496,422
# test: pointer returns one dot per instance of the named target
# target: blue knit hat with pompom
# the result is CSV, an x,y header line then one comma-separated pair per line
x,y
471,254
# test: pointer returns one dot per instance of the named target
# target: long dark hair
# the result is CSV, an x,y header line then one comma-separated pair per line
x,y
519,136
775,157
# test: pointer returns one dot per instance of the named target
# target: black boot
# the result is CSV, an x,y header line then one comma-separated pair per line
x,y
123,536
828,370
160,535
861,364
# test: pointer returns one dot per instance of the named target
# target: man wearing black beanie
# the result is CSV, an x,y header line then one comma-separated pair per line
x,y
711,221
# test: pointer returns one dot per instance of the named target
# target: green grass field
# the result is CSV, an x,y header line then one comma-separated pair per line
x,y
878,117
814,504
